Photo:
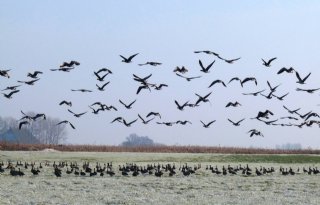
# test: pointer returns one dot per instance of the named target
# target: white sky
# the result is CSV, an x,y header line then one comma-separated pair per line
x,y
40,35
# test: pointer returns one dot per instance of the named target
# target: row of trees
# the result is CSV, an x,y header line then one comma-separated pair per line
x,y
45,131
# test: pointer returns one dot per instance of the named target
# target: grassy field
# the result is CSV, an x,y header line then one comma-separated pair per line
x,y
203,187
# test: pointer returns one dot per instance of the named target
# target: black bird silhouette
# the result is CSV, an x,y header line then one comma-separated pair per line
x,y
154,114
100,78
188,78
11,87
77,115
255,93
180,107
235,104
34,74
183,122
145,121
202,99
118,119
69,103
158,87
143,87
268,64
103,86
249,79
130,123
142,80
169,124
71,64
104,70
205,69
291,111
272,89
289,117
5,73
64,69
313,114
307,90
67,122
264,114
150,63
300,80
236,123
38,115
217,81
208,124
23,123
235,78
97,110
303,116
180,70
81,90
287,70
281,97
31,82
128,60
208,52
9,96
231,60
255,132
268,122
127,106
269,96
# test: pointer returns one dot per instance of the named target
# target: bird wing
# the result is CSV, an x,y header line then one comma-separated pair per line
x,y
210,123
132,122
298,76
105,84
305,78
131,57
132,103
201,65
72,125
71,111
231,121
241,120
180,75
210,65
124,58
122,103
272,59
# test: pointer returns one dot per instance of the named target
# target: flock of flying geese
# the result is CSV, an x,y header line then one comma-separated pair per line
x,y
306,119
155,169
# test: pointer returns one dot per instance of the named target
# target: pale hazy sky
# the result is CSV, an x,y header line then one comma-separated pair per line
x,y
40,35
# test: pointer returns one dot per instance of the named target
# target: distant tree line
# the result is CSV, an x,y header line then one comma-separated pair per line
x,y
39,131
133,140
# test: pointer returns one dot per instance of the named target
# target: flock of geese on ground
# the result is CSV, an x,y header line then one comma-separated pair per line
x,y
131,169
295,117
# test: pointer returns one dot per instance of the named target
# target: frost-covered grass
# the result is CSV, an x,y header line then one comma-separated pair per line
x,y
201,188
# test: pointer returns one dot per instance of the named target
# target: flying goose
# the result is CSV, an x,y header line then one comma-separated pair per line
x,y
23,123
66,122
272,89
180,70
11,87
77,115
307,90
208,124
291,111
202,99
180,107
128,60
104,70
231,60
287,70
34,74
217,81
205,69
145,121
255,93
188,78
236,123
9,95
235,104
100,78
71,64
130,123
5,73
150,63
103,86
281,97
183,122
300,80
127,106
64,69
154,114
81,90
68,103
255,132
31,82
268,63
249,79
